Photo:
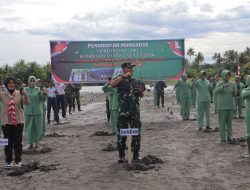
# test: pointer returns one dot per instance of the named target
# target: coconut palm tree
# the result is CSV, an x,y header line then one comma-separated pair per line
x,y
231,56
190,53
217,58
247,51
247,54
199,59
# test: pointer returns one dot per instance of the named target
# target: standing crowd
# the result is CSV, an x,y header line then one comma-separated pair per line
x,y
227,96
23,108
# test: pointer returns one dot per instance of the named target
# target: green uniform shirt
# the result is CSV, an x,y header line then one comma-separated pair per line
x,y
225,95
36,101
203,88
184,88
112,95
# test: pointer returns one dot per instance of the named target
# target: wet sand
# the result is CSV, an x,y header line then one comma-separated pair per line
x,y
192,159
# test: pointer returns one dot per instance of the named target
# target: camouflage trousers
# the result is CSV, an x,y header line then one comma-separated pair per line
x,y
123,123
160,95
76,100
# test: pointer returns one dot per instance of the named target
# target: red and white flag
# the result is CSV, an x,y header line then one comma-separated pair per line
x,y
238,70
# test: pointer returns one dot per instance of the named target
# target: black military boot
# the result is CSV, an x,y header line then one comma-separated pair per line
x,y
121,156
136,157
208,128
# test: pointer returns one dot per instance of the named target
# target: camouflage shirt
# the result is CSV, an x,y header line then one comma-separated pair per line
x,y
160,85
69,91
129,93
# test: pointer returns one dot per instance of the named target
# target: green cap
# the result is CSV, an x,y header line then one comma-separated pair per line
x,y
127,65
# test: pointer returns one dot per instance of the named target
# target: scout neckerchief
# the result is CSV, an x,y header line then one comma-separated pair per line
x,y
12,111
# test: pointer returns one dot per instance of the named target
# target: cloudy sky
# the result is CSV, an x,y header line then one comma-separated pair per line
x,y
209,26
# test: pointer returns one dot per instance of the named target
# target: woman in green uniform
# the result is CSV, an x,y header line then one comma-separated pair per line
x,y
33,113
185,101
203,87
225,106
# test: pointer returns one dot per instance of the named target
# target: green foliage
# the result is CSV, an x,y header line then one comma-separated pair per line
x,y
247,66
246,69
198,59
192,72
229,60
22,70
190,53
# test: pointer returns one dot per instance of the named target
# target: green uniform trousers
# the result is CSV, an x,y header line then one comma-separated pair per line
x,y
185,107
247,119
215,104
225,123
114,119
193,99
238,106
203,108
177,95
155,98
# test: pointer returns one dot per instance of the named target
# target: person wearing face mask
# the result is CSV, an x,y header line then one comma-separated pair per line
x,y
12,120
225,106
33,113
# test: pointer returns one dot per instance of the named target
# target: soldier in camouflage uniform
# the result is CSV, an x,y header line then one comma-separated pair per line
x,y
129,91
160,85
69,94
76,89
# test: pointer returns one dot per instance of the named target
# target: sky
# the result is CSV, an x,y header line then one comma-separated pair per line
x,y
208,26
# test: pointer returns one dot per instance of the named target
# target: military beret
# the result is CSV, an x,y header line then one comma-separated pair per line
x,y
127,65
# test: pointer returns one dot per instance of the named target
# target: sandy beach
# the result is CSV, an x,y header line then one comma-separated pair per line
x,y
76,158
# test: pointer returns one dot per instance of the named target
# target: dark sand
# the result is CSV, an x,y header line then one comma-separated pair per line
x,y
192,159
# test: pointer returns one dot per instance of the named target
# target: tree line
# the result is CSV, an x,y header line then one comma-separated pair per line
x,y
230,60
22,70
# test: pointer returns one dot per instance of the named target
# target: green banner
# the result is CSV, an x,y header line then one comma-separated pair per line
x,y
95,61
